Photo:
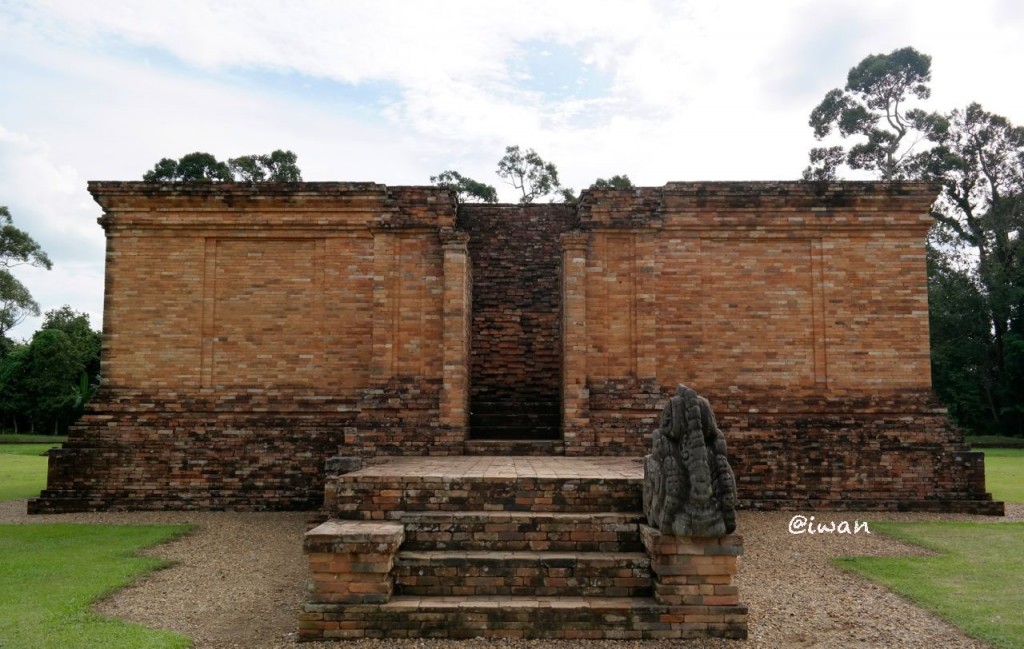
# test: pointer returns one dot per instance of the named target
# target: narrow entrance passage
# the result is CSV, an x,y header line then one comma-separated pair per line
x,y
515,359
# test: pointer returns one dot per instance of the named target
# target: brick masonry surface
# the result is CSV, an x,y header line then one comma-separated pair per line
x,y
455,562
251,332
516,356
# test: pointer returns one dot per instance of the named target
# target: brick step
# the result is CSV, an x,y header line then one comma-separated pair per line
x,y
627,618
506,447
375,492
514,531
569,574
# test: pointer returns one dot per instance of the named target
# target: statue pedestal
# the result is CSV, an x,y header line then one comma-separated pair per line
x,y
693,578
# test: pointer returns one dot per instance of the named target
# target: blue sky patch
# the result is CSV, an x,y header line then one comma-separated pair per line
x,y
557,72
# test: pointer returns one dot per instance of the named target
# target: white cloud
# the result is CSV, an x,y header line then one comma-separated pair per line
x,y
47,201
682,90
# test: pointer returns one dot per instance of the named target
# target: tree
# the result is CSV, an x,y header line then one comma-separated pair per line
x,y
14,398
960,342
467,189
85,341
979,160
976,248
17,248
873,106
49,380
277,167
615,182
192,167
52,374
529,173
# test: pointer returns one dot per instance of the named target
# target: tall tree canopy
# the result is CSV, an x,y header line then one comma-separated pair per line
x,y
873,109
277,166
46,382
979,160
85,341
976,251
615,182
527,172
467,189
530,174
191,167
17,248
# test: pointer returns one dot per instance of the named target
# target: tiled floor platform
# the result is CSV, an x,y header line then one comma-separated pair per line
x,y
511,468
488,484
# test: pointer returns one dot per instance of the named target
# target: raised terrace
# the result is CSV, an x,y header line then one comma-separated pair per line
x,y
253,331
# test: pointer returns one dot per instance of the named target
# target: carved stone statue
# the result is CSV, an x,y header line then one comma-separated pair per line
x,y
689,487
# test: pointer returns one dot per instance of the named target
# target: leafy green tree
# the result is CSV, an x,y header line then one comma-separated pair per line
x,y
192,167
529,173
979,161
467,189
960,342
615,182
976,248
873,108
48,381
85,341
17,248
14,398
276,167
166,170
52,373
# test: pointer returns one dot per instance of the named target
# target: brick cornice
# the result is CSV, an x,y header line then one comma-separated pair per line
x,y
768,206
306,206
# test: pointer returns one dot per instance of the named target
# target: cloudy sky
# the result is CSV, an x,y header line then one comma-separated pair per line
x,y
394,91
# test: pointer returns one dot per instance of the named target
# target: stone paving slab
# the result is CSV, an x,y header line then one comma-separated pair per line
x,y
509,468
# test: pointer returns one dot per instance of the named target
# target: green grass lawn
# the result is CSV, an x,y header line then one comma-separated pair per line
x,y
13,438
979,442
1004,474
975,581
51,574
22,470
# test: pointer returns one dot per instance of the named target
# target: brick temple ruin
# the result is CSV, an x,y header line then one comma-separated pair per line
x,y
253,331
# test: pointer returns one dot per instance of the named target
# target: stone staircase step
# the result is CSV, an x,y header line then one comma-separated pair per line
x,y
513,531
626,618
524,573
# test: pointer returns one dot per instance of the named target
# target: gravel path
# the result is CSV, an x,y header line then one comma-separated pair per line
x,y
238,582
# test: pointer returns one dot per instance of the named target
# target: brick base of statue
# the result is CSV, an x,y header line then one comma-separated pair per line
x,y
693,576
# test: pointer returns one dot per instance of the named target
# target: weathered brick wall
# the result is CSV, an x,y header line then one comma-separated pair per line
x,y
516,356
801,312
250,332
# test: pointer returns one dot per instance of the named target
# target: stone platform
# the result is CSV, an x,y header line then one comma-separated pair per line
x,y
518,547
487,483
